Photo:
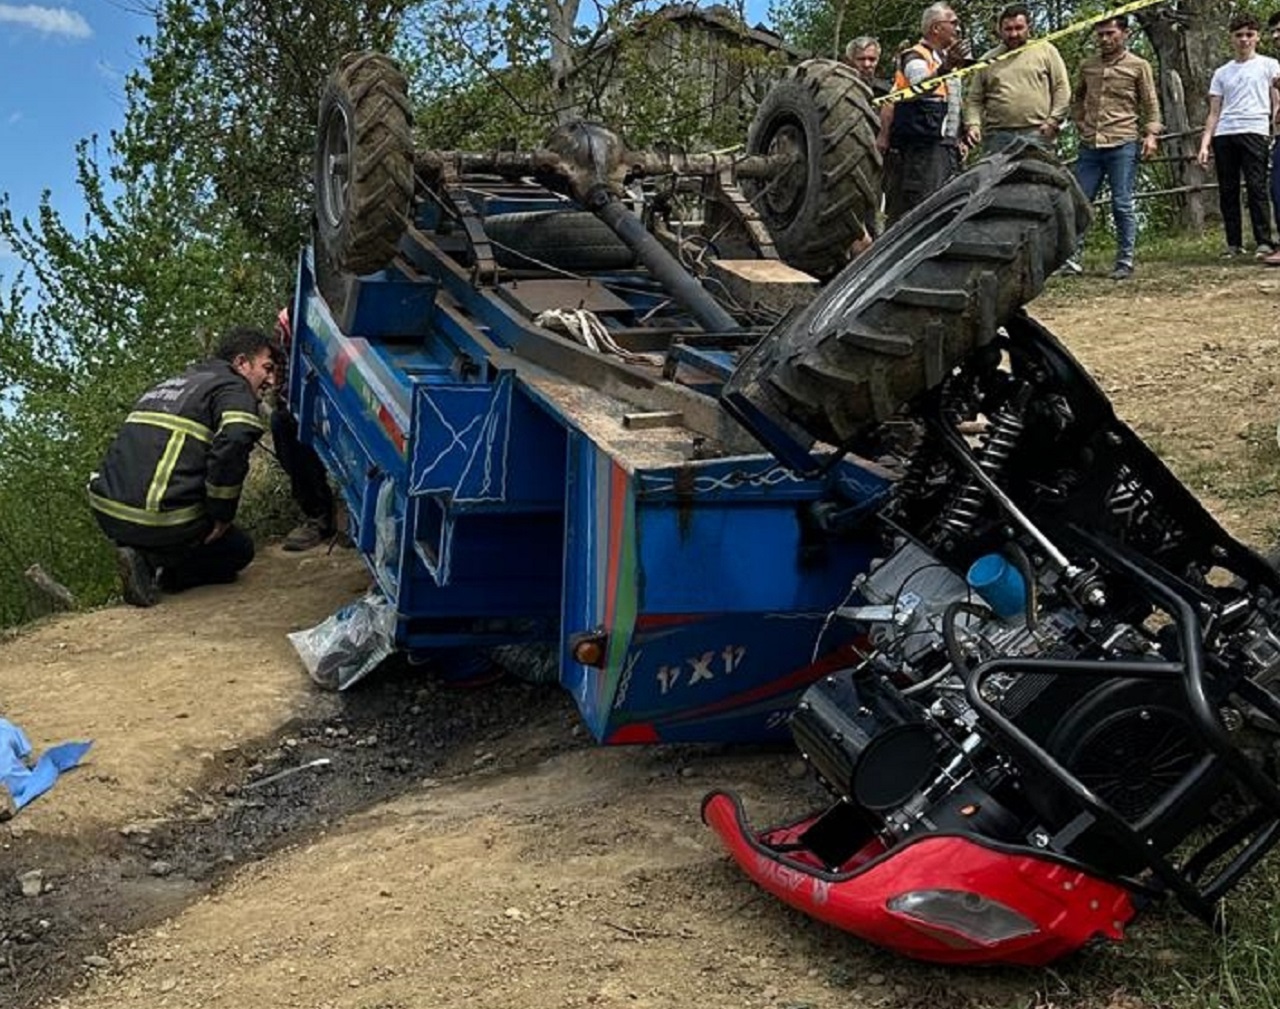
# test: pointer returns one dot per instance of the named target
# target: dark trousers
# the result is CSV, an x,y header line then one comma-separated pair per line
x,y
1275,180
200,563
308,481
190,561
914,172
1236,155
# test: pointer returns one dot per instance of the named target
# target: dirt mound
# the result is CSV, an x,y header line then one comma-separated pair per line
x,y
239,837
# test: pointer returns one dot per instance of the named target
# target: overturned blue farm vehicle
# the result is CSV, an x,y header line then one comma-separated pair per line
x,y
592,404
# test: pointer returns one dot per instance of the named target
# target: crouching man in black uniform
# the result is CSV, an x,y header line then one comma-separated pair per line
x,y
167,490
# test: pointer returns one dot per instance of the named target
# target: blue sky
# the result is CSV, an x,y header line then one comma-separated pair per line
x,y
62,78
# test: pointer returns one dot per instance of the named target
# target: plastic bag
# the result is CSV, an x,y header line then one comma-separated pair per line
x,y
386,542
347,646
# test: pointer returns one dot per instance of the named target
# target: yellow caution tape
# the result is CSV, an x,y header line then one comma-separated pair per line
x,y
931,83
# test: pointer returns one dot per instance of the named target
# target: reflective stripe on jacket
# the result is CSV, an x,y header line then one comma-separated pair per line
x,y
179,461
921,117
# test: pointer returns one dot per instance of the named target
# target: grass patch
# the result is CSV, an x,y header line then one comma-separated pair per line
x,y
1239,968
1170,959
1165,262
1249,475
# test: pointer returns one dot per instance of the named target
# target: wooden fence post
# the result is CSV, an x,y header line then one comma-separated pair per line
x,y
1186,146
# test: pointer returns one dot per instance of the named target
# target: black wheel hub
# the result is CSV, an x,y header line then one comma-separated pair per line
x,y
785,191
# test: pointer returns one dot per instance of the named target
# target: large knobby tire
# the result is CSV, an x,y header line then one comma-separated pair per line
x,y
939,283
364,162
820,111
573,240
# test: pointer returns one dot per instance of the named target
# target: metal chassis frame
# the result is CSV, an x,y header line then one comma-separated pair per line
x,y
700,413
1263,824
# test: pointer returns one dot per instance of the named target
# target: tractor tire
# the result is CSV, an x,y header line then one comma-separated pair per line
x,y
364,162
939,283
573,240
533,663
820,110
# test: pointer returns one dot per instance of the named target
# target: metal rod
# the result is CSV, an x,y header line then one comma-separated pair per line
x,y
1059,559
287,772
517,164
675,278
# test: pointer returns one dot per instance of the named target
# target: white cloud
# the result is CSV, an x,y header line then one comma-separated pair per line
x,y
13,117
50,20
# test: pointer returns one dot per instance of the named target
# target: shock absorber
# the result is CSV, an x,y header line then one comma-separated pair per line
x,y
998,442
914,484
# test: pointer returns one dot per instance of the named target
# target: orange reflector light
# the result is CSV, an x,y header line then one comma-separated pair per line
x,y
590,650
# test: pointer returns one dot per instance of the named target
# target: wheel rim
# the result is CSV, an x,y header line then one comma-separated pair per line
x,y
786,190
335,167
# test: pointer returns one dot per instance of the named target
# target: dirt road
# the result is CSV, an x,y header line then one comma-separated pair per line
x,y
473,848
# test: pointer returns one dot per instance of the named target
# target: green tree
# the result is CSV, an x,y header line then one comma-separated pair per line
x,y
90,321
485,75
229,88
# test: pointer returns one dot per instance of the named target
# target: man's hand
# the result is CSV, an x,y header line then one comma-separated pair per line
x,y
882,142
959,53
1202,159
1049,130
973,136
1150,143
217,531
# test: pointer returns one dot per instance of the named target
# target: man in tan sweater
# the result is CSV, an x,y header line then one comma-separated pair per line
x,y
1027,95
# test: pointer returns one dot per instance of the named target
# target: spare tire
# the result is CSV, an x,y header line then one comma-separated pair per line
x,y
574,240
937,284
820,111
364,162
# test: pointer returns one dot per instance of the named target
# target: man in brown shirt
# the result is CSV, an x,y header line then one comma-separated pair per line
x,y
1117,115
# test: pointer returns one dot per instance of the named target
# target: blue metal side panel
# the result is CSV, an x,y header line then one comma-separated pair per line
x,y
586,574
396,308
454,494
487,448
712,590
463,439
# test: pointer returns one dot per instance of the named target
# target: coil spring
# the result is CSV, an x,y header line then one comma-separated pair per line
x,y
915,479
998,444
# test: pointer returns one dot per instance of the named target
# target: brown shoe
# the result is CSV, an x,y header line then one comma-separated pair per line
x,y
1272,260
306,536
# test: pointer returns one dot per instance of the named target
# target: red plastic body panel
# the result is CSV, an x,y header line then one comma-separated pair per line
x,y
1069,907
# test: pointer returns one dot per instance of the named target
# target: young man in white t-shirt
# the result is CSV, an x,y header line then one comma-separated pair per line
x,y
1238,127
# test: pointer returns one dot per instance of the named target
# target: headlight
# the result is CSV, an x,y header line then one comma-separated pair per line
x,y
965,914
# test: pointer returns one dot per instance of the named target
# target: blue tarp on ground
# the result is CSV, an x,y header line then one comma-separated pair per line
x,y
20,780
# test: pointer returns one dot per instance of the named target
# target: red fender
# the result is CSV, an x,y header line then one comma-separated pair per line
x,y
1063,907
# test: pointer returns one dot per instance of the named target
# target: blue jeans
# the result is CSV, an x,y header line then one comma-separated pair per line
x,y
1119,166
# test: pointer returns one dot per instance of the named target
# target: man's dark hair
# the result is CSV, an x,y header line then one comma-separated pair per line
x,y
1273,20
1013,11
1243,21
242,340
1120,21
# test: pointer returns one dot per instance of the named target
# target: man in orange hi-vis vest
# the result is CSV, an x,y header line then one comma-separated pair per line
x,y
921,134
